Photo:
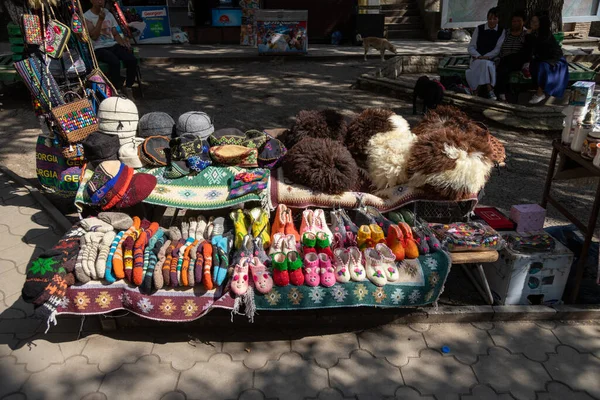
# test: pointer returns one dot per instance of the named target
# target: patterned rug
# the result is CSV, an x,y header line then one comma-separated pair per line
x,y
422,281
208,190
174,305
285,192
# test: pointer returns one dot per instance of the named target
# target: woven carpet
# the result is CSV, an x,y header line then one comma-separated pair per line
x,y
283,191
208,190
421,283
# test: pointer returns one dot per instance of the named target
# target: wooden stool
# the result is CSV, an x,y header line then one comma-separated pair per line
x,y
476,259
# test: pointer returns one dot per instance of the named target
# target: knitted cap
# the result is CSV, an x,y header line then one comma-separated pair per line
x,y
155,124
140,187
118,116
100,147
227,136
103,178
194,123
119,221
128,153
114,194
152,151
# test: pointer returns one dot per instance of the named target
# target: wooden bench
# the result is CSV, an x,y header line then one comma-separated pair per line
x,y
457,66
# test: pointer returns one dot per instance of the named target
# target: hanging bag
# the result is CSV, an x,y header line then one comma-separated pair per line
x,y
57,38
76,120
33,29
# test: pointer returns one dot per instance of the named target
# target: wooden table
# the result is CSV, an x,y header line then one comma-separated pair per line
x,y
476,259
586,169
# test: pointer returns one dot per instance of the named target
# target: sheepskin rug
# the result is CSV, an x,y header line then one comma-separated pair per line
x,y
445,116
452,162
388,152
322,165
325,124
368,123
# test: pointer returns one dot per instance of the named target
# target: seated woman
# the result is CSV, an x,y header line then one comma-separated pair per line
x,y
549,69
109,47
512,56
485,46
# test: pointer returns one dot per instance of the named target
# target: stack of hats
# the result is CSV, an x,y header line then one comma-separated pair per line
x,y
155,128
114,184
100,147
119,117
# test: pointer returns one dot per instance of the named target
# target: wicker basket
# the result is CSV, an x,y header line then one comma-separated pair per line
x,y
75,120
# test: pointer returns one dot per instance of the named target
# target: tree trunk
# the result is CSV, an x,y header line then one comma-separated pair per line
x,y
553,7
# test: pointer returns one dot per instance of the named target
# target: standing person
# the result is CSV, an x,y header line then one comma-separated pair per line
x,y
512,56
109,46
548,67
484,48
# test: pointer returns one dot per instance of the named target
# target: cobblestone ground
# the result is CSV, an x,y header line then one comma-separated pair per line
x,y
542,360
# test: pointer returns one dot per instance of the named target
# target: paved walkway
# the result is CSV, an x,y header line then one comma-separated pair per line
x,y
543,360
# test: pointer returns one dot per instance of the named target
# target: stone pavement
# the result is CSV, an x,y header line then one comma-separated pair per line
x,y
525,360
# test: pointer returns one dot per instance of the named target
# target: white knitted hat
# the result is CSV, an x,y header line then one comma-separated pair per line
x,y
118,116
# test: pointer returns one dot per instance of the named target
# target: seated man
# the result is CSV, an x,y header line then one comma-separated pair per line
x,y
109,46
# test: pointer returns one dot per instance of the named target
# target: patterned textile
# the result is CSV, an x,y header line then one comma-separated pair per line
x,y
422,281
285,192
207,190
96,297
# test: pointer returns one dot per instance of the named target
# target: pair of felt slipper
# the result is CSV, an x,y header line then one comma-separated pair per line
x,y
401,241
348,265
318,270
381,265
254,222
287,268
251,268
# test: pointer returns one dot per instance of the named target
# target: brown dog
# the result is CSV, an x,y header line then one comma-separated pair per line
x,y
377,43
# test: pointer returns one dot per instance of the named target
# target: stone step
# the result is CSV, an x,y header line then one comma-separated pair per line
x,y
412,33
405,12
412,19
403,6
406,26
395,2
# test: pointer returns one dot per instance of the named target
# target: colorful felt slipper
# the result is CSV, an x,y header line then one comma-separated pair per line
x,y
307,224
289,244
363,238
408,216
281,276
239,281
259,251
311,270
337,226
290,228
323,244
327,271
421,241
394,241
260,276
432,241
411,250
240,227
295,268
350,226
280,221
377,234
260,225
277,243
396,217
382,221
221,270
357,269
389,263
374,267
309,241
320,222
246,250
342,265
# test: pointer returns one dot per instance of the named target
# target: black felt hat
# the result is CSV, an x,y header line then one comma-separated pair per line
x,y
100,147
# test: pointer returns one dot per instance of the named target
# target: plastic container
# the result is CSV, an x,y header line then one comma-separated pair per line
x,y
566,137
590,145
579,137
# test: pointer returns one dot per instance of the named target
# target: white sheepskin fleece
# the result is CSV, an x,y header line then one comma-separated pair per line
x,y
388,153
470,174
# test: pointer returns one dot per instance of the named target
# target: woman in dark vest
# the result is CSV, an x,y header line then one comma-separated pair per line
x,y
549,69
484,48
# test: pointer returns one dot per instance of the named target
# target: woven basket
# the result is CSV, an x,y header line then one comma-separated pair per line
x,y
75,120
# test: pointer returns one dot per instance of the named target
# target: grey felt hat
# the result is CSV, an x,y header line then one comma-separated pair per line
x,y
194,123
155,124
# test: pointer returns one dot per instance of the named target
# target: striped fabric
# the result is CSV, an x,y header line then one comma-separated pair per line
x,y
512,44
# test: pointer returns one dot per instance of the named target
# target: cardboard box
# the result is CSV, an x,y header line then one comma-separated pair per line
x,y
535,278
529,217
582,93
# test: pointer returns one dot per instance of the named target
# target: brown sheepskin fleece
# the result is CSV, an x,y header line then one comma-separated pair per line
x,y
325,124
322,165
429,158
364,127
449,117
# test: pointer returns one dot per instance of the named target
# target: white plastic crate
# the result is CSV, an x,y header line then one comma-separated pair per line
x,y
535,278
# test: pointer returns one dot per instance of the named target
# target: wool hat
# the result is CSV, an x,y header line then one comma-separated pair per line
x,y
140,187
114,194
156,123
226,136
103,178
195,123
128,153
152,151
118,116
119,221
100,147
